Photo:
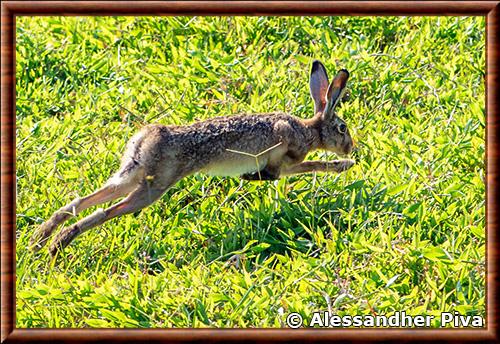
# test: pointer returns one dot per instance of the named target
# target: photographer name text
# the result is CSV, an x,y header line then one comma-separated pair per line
x,y
398,319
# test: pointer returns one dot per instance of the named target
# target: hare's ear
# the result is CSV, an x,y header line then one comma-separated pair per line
x,y
334,93
318,85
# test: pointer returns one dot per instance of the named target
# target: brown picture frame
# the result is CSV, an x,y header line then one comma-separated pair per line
x,y
11,9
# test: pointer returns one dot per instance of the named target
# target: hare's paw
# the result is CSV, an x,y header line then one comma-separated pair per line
x,y
41,235
63,238
43,232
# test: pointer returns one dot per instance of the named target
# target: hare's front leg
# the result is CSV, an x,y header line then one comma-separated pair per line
x,y
267,173
319,166
140,198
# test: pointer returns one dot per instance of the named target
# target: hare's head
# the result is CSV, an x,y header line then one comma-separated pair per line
x,y
333,131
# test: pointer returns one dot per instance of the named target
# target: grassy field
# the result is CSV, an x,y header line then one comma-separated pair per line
x,y
402,230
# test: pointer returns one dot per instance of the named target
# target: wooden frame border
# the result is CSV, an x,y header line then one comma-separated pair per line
x,y
11,9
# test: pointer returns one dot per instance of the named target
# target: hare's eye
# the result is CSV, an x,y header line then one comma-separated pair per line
x,y
342,128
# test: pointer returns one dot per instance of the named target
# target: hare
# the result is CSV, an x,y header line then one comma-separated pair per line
x,y
253,146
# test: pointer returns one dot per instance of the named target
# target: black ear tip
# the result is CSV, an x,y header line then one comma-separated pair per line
x,y
315,65
344,71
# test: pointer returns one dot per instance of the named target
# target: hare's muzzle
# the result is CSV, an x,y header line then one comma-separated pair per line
x,y
348,147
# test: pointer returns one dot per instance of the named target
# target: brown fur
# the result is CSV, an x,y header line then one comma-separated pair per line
x,y
256,147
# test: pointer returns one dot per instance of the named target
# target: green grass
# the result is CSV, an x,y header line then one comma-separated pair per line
x,y
402,230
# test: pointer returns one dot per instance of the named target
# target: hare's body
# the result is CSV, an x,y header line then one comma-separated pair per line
x,y
255,147
223,146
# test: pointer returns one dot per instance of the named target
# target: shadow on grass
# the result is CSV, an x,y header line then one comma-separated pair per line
x,y
285,225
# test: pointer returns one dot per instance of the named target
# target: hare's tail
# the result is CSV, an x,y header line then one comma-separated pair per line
x,y
130,172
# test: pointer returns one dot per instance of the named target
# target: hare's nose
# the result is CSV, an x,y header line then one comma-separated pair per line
x,y
348,148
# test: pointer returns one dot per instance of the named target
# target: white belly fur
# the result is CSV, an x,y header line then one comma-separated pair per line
x,y
231,168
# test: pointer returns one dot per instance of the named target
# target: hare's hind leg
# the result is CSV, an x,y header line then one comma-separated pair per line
x,y
122,183
140,198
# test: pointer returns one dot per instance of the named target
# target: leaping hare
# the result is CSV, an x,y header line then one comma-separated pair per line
x,y
256,147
